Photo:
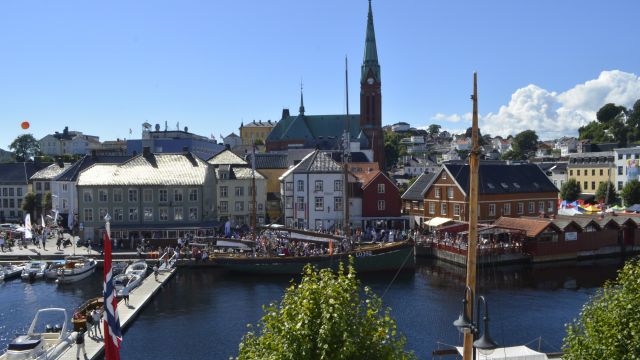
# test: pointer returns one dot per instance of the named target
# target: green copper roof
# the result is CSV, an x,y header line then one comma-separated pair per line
x,y
314,127
370,61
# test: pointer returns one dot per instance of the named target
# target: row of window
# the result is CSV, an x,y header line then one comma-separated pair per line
x,y
11,203
506,208
47,186
132,195
318,185
628,156
239,191
11,213
9,191
223,206
118,215
449,192
593,172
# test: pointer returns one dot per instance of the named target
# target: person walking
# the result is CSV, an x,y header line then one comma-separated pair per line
x,y
125,295
2,241
96,314
80,344
90,323
155,272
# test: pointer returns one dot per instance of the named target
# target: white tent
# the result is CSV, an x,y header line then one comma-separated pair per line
x,y
437,221
568,211
510,353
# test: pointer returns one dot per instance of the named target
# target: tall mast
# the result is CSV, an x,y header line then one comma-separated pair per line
x,y
473,219
346,155
253,192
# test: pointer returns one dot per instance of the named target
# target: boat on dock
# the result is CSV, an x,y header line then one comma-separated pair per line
x,y
79,319
42,341
128,281
51,273
34,270
9,272
75,269
137,268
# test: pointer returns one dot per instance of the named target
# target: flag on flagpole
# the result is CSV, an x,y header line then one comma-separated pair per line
x,y
112,334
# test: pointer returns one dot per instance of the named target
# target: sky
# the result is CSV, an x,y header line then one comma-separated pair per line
x,y
104,68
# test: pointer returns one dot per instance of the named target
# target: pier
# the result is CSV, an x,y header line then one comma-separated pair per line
x,y
138,299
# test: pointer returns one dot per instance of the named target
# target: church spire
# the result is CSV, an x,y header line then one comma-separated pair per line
x,y
301,100
370,62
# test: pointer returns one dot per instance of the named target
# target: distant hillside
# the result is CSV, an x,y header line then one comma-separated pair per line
x,y
6,156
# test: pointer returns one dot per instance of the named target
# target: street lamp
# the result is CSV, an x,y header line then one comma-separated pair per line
x,y
484,344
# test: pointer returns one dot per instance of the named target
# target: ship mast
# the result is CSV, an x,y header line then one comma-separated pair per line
x,y
346,155
253,193
473,220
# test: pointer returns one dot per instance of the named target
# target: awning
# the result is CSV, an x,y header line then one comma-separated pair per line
x,y
511,353
437,221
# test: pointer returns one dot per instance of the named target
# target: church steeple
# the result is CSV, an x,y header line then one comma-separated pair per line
x,y
370,66
301,100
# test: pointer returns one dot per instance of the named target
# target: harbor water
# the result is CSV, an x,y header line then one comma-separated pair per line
x,y
203,313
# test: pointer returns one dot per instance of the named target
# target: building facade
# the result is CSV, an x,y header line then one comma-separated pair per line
x,y
627,165
67,143
14,185
381,203
256,131
173,141
591,169
272,166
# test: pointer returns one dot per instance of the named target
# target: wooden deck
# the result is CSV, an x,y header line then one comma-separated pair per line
x,y
137,300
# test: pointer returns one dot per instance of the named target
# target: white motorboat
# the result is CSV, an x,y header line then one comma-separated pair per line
x,y
52,269
48,343
34,270
9,272
75,269
126,281
138,268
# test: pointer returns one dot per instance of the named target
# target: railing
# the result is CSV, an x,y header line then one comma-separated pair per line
x,y
461,248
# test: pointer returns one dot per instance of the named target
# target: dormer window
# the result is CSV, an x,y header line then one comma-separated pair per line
x,y
224,175
444,176
504,185
516,185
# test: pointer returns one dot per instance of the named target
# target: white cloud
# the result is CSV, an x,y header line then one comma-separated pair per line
x,y
454,118
553,114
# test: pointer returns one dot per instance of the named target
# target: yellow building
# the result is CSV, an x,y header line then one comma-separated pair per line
x,y
256,131
591,169
272,166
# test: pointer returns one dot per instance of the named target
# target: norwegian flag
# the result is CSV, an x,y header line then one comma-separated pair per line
x,y
112,334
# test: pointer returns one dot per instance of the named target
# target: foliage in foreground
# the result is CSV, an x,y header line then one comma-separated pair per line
x,y
609,324
325,317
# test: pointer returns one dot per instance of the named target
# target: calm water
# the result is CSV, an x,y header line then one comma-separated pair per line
x,y
202,314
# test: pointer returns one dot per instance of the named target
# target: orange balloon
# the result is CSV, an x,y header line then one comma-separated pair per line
x,y
25,125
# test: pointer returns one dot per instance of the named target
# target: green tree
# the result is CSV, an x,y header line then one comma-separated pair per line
x,y
25,147
609,112
391,149
47,202
604,188
630,193
608,324
29,203
570,190
325,316
512,155
525,143
434,129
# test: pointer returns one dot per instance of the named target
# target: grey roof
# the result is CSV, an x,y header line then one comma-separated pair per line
x,y
242,173
71,173
498,178
50,172
19,173
226,157
417,189
317,161
155,169
270,161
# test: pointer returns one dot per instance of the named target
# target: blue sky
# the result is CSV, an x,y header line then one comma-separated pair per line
x,y
105,67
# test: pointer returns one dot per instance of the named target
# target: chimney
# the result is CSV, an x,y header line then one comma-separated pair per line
x,y
285,113
146,151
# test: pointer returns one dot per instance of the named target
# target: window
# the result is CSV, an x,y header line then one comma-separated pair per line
x,y
5,192
619,170
288,186
444,175
133,195
88,215
163,195
520,208
239,191
147,195
443,209
381,204
619,156
437,193
578,172
38,186
319,185
319,201
593,185
12,203
163,213
193,214
65,205
492,209
224,175
593,172
432,207
118,214
103,196
450,192
540,206
300,203
19,203
337,185
18,191
570,172
506,209
133,214
239,206
177,195
224,191
224,206
300,185
380,188
289,202
10,191
193,194
550,206
148,214
586,185
47,186
177,214
337,203
601,172
532,207
117,195
65,187
102,212
619,185
456,209
87,196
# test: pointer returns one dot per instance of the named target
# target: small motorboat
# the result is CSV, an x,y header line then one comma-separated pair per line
x,y
79,319
34,270
9,272
51,272
119,267
126,281
48,343
138,268
75,269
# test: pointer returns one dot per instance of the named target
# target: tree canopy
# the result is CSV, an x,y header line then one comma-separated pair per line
x,y
614,123
570,190
391,148
29,203
525,143
609,112
607,327
25,147
630,193
434,129
606,193
325,316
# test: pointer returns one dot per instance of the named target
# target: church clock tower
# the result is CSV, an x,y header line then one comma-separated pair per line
x,y
371,96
